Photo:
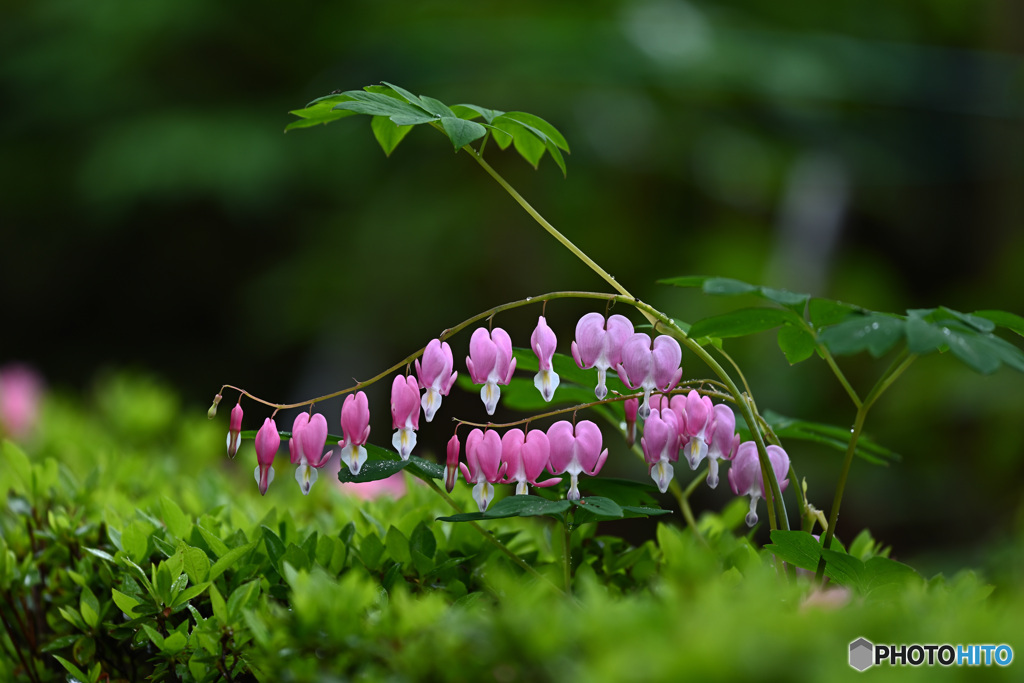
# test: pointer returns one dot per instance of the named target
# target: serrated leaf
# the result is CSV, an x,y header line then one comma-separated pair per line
x,y
796,343
742,322
461,131
874,333
388,134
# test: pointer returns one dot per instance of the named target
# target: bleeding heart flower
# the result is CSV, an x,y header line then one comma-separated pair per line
x,y
355,430
575,450
309,436
745,474
405,414
660,444
650,366
483,466
599,345
543,343
268,440
526,457
436,376
724,441
490,362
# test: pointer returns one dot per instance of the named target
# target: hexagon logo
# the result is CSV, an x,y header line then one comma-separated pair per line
x,y
862,654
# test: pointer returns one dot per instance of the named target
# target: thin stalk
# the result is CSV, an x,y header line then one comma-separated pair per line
x,y
489,536
897,368
30,670
567,551
562,239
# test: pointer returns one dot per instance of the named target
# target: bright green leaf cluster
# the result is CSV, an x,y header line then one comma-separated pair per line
x,y
395,111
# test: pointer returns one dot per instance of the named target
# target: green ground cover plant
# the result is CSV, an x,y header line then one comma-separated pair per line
x,y
132,550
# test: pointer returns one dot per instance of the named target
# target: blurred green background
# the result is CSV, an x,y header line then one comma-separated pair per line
x,y
154,216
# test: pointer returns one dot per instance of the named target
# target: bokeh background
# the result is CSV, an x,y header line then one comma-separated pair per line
x,y
154,217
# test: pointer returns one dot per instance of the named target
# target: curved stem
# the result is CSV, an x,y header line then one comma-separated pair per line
x,y
562,239
567,552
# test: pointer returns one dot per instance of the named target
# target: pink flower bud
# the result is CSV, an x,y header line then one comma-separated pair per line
x,y
435,375
268,440
543,342
630,408
451,467
235,430
699,415
21,390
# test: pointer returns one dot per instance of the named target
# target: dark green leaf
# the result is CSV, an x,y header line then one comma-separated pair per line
x,y
377,104
727,286
742,322
1010,321
796,343
462,132
685,281
406,95
296,557
825,312
881,573
874,332
625,492
397,545
632,511
515,506
830,435
321,112
843,569
595,509
436,107
797,548
423,541
539,125
387,133
274,545
471,111
372,470
791,300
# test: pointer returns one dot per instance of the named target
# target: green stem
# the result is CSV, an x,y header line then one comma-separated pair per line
x,y
896,369
567,551
489,536
562,239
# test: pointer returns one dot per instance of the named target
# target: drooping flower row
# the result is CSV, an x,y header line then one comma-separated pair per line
x,y
521,458
688,424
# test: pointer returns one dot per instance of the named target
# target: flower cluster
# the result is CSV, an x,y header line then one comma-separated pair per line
x,y
522,458
674,425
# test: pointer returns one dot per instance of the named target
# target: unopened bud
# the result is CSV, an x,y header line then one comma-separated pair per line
x,y
212,412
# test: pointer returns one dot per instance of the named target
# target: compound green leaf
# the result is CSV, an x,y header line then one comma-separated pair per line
x,y
796,343
875,333
1010,321
539,125
462,132
388,134
742,322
